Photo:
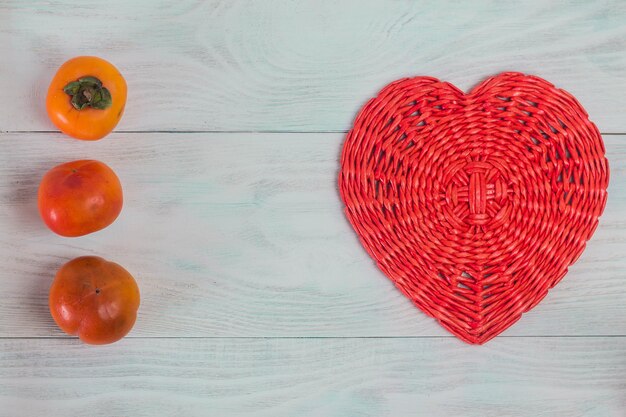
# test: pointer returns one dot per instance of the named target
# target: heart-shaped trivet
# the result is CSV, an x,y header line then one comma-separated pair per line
x,y
474,205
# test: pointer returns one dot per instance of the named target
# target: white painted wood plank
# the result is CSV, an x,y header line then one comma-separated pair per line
x,y
538,377
244,235
303,66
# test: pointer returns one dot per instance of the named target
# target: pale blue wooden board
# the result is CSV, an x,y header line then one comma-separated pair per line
x,y
240,236
243,235
538,377
303,65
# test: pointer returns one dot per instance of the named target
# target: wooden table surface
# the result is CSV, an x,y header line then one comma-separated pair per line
x,y
257,299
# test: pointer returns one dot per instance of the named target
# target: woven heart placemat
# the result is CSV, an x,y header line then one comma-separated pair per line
x,y
475,204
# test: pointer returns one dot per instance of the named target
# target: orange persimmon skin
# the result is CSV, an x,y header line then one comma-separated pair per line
x,y
80,197
88,123
94,299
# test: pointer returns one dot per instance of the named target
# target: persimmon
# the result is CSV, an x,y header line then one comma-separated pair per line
x,y
80,197
94,299
86,98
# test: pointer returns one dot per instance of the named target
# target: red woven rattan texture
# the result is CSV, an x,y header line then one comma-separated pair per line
x,y
474,205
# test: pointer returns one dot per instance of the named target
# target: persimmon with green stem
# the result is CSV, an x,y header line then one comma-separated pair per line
x,y
86,98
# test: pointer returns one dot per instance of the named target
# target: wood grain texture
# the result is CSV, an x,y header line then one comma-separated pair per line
x,y
303,66
244,235
538,377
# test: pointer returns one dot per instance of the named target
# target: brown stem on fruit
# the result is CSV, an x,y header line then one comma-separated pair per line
x,y
88,92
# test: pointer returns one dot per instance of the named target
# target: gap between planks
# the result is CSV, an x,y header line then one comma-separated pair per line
x,y
596,336
8,132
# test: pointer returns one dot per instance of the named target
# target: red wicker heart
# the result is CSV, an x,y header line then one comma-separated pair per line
x,y
474,205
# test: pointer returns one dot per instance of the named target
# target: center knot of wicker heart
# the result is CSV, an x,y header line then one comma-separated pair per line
x,y
477,194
